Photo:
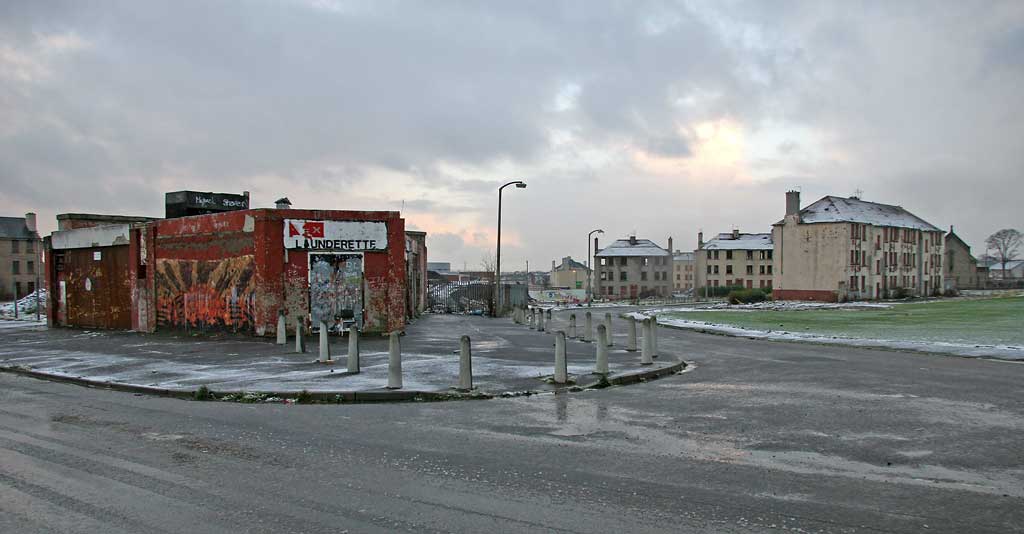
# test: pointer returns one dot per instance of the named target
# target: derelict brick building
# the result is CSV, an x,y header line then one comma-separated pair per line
x,y
233,271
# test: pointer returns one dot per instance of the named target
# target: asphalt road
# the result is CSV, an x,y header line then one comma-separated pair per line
x,y
757,436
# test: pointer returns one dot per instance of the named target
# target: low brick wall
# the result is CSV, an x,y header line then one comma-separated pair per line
x,y
805,294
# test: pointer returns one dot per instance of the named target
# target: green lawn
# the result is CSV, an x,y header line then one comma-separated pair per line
x,y
998,321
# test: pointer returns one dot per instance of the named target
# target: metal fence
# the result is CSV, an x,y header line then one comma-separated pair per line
x,y
476,297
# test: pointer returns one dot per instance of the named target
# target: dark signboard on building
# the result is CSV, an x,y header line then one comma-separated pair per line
x,y
186,203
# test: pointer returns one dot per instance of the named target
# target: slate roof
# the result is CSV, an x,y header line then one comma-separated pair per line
x,y
683,256
742,242
569,264
14,228
832,209
622,247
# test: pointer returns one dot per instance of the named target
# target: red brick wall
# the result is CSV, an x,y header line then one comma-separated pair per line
x,y
804,294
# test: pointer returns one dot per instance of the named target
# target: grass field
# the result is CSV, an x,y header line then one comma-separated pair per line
x,y
998,321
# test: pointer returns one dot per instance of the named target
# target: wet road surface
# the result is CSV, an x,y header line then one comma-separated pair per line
x,y
757,436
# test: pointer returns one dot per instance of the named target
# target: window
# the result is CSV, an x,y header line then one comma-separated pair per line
x,y
750,254
716,254
17,289
761,270
15,265
728,269
622,276
750,269
715,283
15,247
604,275
716,269
31,287
769,271
30,267
622,261
728,254
609,288
30,246
709,254
643,276
604,261
677,278
769,254
878,266
645,261
709,269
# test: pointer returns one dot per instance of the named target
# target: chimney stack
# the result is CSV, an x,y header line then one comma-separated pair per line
x,y
552,265
283,203
670,249
700,239
735,233
792,202
30,222
632,240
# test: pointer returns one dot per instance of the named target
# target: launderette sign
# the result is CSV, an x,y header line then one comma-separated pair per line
x,y
335,235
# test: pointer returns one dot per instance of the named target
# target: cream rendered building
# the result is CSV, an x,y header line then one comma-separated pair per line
x,y
846,248
570,274
734,259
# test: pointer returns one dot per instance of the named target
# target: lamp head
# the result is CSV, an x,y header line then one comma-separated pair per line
x,y
521,185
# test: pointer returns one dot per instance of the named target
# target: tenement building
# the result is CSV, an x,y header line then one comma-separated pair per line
x,y
682,270
20,252
570,274
633,268
734,259
846,248
962,269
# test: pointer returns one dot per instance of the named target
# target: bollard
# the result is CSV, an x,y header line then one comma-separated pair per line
x,y
561,366
465,364
654,336
602,350
648,351
282,329
300,345
395,362
325,343
608,328
353,349
540,320
631,330
533,319
572,326
588,327
548,314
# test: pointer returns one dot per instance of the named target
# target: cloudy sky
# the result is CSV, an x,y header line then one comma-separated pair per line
x,y
659,118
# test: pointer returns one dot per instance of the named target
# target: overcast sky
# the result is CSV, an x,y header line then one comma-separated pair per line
x,y
659,118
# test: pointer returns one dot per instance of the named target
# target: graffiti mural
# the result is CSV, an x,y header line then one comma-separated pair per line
x,y
336,290
206,294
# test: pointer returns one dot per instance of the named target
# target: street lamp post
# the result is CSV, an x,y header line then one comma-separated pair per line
x,y
590,271
497,272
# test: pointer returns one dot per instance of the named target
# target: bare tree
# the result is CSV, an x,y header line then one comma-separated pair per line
x,y
488,264
1005,244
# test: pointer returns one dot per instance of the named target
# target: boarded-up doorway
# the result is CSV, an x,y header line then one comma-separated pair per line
x,y
336,290
94,288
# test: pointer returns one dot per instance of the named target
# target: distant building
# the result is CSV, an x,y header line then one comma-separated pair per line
x,y
439,266
683,266
846,248
570,274
20,255
734,259
633,268
962,269
1012,270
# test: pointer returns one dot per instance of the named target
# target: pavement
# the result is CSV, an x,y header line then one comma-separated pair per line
x,y
756,436
507,359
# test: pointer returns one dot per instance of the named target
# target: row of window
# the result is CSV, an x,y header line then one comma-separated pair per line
x,y
623,290
762,254
658,275
18,286
688,277
740,282
644,261
764,269
30,267
689,267
30,246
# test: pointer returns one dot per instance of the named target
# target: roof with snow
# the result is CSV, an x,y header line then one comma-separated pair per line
x,y
626,247
683,256
740,242
832,209
15,228
1011,265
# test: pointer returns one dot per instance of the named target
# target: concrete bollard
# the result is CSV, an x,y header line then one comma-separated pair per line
x,y
561,366
572,326
282,329
608,328
325,343
654,336
601,367
395,362
648,350
300,345
588,327
465,364
540,320
353,349
548,316
533,319
631,330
